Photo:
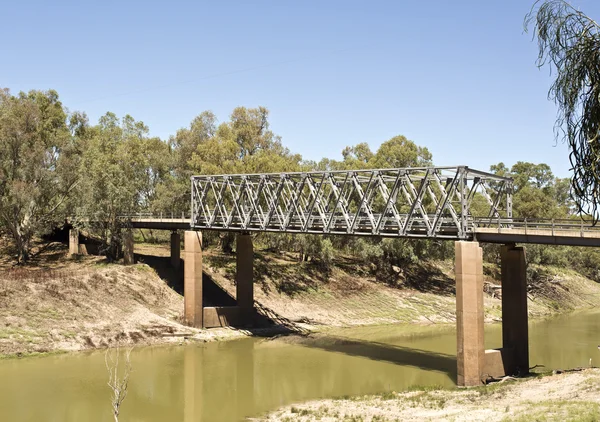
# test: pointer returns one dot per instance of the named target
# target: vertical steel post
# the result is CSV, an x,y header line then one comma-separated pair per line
x,y
509,204
463,204
193,216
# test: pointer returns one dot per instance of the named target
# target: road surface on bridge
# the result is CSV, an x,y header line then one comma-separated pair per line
x,y
549,232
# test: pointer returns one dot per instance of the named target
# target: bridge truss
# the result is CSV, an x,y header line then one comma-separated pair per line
x,y
434,202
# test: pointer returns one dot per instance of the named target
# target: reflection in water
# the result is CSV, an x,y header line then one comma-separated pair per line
x,y
191,382
233,380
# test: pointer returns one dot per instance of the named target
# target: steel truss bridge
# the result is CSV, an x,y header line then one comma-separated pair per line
x,y
452,203
431,202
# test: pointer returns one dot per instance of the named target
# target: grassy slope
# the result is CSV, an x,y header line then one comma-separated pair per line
x,y
565,397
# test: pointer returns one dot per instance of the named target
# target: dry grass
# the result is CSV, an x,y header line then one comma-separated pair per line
x,y
63,304
348,295
565,397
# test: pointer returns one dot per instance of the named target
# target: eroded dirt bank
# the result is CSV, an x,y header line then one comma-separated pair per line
x,y
63,305
57,304
564,397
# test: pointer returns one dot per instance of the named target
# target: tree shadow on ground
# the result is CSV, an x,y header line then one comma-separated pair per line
x,y
352,266
423,277
287,277
399,355
50,253
44,255
427,278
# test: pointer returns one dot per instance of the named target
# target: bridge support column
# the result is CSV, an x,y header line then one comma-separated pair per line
x,y
175,249
244,275
73,242
192,279
470,354
515,333
128,258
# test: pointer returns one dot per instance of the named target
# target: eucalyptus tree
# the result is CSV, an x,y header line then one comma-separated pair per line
x,y
537,192
243,144
37,159
569,42
173,191
120,169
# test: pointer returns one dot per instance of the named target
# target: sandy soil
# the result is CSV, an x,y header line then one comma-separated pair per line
x,y
568,396
61,304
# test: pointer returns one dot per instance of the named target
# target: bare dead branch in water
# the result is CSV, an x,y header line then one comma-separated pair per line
x,y
117,383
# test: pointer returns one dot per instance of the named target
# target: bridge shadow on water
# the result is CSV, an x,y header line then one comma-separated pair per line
x,y
398,355
271,324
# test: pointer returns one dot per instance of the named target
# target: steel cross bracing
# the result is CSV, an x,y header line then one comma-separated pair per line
x,y
436,202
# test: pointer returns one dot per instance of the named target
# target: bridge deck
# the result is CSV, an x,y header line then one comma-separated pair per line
x,y
549,232
538,236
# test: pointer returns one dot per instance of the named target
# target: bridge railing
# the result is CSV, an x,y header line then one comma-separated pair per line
x,y
166,216
548,226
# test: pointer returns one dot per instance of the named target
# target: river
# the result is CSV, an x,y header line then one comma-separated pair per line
x,y
231,380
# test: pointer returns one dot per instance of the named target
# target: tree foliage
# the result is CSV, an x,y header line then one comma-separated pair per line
x,y
54,164
537,194
36,165
120,169
569,42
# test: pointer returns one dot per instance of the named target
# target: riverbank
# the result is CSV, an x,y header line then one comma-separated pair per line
x,y
422,293
60,304
567,396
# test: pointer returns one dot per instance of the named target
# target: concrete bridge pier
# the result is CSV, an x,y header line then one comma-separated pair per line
x,y
470,353
474,363
244,275
195,314
73,242
192,279
175,250
515,332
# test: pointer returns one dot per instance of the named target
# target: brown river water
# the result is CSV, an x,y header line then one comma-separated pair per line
x,y
232,380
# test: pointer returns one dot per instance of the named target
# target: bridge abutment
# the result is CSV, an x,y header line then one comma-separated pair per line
x,y
244,275
470,354
175,250
192,279
515,332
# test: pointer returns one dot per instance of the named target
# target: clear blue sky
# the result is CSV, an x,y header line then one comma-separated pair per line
x,y
456,76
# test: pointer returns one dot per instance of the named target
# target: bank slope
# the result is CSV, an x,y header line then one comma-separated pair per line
x,y
564,397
